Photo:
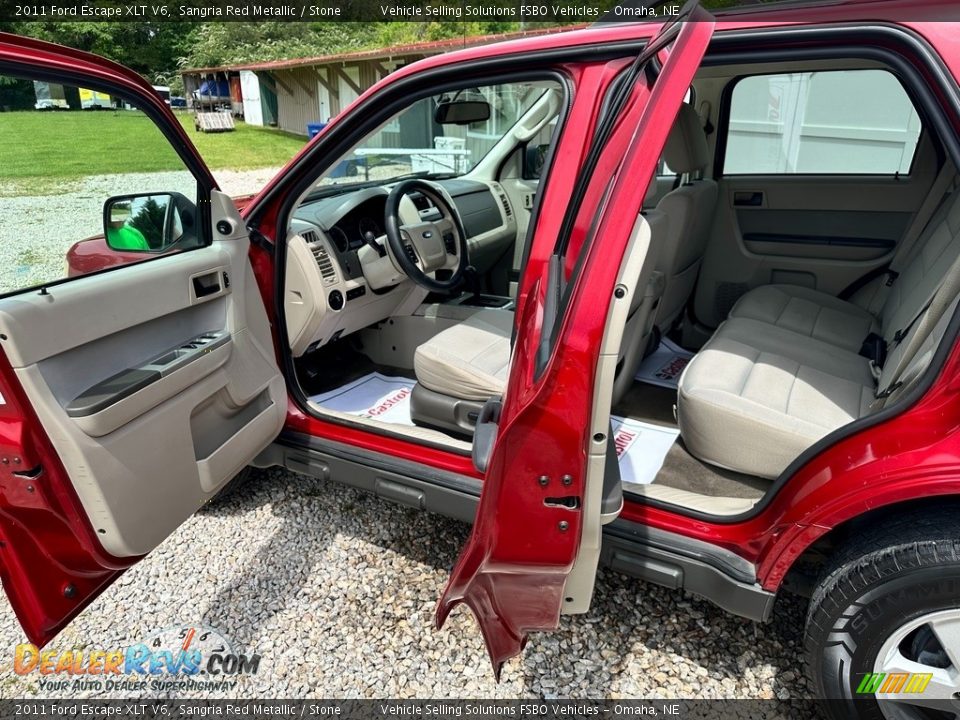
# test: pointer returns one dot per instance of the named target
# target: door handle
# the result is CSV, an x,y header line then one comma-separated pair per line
x,y
485,434
748,199
207,284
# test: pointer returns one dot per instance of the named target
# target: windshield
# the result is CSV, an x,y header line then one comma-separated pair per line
x,y
445,135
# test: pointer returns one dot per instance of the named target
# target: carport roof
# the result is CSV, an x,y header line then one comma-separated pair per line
x,y
433,47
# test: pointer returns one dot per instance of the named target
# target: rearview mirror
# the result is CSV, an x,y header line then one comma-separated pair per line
x,y
147,223
462,112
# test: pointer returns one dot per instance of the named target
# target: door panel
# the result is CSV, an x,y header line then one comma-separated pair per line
x,y
823,232
522,565
144,452
128,397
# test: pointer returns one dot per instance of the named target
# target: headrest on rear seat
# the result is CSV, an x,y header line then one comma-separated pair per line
x,y
686,149
649,200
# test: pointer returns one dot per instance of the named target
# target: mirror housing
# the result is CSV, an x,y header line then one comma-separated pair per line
x,y
534,159
147,222
462,112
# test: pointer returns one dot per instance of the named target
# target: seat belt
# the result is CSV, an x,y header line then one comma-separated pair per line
x,y
925,322
941,188
876,349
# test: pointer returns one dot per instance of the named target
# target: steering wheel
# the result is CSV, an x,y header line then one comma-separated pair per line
x,y
430,245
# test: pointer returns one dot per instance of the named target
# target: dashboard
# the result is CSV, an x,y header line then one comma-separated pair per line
x,y
333,284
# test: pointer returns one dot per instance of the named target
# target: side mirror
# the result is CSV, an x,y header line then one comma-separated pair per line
x,y
534,160
147,223
462,112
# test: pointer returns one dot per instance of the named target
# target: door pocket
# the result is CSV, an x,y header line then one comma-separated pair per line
x,y
223,436
793,277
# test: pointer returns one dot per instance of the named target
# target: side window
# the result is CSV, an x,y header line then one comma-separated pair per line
x,y
836,122
87,182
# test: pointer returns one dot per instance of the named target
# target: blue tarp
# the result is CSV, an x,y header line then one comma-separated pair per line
x,y
214,89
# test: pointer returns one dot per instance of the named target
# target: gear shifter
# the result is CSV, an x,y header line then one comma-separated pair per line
x,y
370,239
471,280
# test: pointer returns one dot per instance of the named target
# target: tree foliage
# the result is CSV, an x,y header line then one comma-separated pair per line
x,y
158,50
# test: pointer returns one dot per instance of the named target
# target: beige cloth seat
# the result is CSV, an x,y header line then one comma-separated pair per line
x,y
824,317
470,360
689,212
808,312
756,396
783,371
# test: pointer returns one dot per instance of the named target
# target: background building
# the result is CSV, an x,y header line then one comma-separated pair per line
x,y
290,94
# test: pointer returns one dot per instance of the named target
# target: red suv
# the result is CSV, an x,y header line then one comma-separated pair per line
x,y
680,299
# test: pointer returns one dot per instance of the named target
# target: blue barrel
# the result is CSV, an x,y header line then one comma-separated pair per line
x,y
313,129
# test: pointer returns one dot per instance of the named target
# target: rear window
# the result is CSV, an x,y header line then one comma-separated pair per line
x,y
856,122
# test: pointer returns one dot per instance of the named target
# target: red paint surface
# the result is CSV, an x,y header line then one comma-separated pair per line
x,y
513,571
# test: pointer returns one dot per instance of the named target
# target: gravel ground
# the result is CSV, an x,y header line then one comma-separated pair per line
x,y
37,230
336,590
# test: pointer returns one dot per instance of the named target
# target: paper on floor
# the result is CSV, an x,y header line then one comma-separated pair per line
x,y
664,365
374,396
641,448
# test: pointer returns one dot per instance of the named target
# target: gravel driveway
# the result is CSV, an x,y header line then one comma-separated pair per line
x,y
37,230
336,590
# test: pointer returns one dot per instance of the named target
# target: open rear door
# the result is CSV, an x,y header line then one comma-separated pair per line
x,y
128,397
534,548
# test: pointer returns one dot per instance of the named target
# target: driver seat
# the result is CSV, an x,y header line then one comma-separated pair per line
x,y
460,369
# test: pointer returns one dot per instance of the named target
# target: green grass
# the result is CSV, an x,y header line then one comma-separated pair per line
x,y
44,149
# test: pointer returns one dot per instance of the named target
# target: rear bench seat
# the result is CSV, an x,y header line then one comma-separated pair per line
x,y
784,370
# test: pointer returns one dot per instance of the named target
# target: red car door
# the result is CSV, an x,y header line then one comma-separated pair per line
x,y
128,398
533,551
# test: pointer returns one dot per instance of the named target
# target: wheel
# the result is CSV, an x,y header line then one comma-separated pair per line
x,y
883,629
420,249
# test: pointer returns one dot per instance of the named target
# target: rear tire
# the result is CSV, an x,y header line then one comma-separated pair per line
x,y
885,604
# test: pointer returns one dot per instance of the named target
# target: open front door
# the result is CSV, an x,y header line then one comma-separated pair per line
x,y
131,395
535,543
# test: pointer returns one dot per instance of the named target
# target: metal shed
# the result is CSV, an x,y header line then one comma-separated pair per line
x,y
295,92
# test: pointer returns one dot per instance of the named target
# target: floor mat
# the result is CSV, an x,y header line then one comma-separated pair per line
x,y
664,365
374,396
641,449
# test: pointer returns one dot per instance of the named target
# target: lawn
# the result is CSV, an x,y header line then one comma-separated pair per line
x,y
70,145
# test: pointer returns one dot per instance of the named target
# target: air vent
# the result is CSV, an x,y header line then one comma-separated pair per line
x,y
506,205
320,254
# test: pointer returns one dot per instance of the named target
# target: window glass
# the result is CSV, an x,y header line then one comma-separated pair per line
x,y
834,122
423,140
66,150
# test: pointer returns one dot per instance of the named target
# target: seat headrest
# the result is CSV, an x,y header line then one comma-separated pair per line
x,y
648,200
686,149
